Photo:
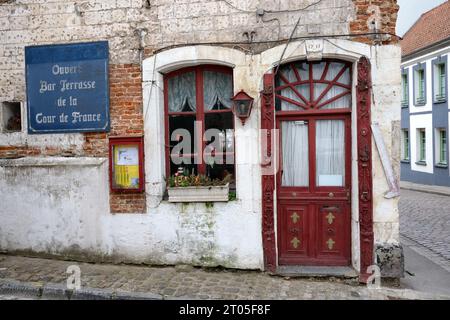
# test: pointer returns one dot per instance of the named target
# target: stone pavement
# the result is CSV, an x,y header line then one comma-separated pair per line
x,y
181,282
422,272
440,190
425,219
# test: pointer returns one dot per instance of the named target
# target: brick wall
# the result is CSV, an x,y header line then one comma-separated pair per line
x,y
126,120
383,12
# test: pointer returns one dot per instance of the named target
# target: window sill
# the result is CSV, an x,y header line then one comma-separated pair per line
x,y
419,104
405,161
199,194
444,100
405,105
421,163
441,165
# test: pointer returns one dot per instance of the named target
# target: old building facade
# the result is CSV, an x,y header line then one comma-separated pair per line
x,y
314,166
425,109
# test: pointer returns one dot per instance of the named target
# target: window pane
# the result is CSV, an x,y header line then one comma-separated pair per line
x,y
406,145
443,147
181,141
295,153
441,86
344,101
422,145
181,93
404,89
333,71
420,86
219,150
330,149
217,90
318,69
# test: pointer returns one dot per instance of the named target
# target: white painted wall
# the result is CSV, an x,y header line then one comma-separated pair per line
x,y
61,206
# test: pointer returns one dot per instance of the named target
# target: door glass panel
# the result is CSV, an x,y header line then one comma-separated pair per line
x,y
295,153
330,153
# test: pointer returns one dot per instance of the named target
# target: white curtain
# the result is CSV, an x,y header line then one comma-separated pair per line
x,y
343,102
217,87
318,69
330,153
295,154
181,92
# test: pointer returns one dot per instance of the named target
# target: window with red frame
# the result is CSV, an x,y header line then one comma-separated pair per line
x,y
198,99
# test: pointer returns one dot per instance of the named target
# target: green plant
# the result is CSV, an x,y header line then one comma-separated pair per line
x,y
192,180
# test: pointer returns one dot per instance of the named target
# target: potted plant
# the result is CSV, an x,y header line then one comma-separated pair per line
x,y
184,187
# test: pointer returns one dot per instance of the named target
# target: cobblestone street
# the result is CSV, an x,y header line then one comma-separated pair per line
x,y
184,282
425,219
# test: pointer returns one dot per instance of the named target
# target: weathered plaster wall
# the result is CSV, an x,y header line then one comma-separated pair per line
x,y
63,209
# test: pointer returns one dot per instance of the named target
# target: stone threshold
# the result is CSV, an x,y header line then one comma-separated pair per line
x,y
316,271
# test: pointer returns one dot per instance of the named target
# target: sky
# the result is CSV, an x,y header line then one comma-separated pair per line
x,y
411,10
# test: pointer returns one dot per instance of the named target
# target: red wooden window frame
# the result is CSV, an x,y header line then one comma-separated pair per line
x,y
199,113
115,141
314,106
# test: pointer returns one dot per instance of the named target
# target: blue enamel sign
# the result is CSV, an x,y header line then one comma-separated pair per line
x,y
67,88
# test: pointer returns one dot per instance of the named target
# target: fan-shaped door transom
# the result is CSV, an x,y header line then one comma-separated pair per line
x,y
309,86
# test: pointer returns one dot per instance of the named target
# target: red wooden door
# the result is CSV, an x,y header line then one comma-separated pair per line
x,y
313,116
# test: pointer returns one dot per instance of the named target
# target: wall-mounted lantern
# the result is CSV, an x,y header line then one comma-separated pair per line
x,y
242,105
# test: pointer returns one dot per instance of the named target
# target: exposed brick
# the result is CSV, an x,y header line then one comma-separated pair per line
x,y
387,18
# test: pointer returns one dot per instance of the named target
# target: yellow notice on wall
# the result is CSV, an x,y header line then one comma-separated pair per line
x,y
126,166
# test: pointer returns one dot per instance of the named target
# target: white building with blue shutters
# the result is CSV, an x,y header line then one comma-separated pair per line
x,y
425,103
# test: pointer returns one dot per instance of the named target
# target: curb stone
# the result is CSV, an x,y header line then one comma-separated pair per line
x,y
26,289
52,291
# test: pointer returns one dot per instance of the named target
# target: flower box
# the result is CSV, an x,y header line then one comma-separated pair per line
x,y
199,193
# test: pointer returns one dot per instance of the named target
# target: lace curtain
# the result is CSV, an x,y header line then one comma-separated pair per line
x,y
295,154
330,149
217,87
181,92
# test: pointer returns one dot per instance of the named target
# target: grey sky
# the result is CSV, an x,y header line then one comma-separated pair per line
x,y
411,10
